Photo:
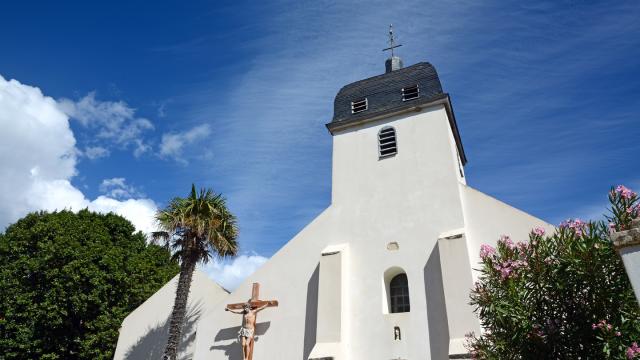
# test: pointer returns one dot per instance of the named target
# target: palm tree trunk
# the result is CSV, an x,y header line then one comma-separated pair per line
x,y
179,312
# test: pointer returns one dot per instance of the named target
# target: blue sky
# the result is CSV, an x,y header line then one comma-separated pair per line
x,y
235,95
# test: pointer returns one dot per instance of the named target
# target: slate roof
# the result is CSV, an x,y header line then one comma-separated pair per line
x,y
384,96
384,92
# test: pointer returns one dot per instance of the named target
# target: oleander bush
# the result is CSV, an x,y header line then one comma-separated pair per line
x,y
564,295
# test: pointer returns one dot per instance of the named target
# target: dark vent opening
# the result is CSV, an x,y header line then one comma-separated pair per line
x,y
358,106
410,93
387,145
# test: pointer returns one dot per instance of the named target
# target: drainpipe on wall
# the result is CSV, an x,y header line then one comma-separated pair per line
x,y
627,244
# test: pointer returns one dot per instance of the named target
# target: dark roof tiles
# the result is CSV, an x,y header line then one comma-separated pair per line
x,y
384,92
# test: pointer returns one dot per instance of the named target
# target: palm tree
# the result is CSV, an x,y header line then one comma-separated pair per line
x,y
196,228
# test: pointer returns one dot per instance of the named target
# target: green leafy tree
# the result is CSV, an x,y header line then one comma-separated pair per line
x,y
196,228
67,281
562,296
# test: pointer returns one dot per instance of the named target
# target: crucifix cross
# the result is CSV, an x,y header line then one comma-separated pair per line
x,y
392,41
249,311
254,301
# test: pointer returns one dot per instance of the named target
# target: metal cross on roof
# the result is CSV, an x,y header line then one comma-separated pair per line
x,y
392,41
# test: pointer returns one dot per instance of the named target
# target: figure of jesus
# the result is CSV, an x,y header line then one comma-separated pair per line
x,y
248,329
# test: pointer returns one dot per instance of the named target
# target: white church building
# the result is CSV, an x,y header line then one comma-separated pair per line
x,y
384,272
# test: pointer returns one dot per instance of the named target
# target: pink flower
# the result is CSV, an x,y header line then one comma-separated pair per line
x,y
507,268
523,246
634,210
506,240
576,225
504,269
630,353
625,192
633,350
579,226
618,333
602,324
486,251
520,263
505,272
594,326
538,231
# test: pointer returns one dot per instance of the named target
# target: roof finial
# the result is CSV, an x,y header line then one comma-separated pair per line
x,y
392,41
394,62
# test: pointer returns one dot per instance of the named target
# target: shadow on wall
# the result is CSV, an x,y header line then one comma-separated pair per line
x,y
436,307
311,317
152,344
233,350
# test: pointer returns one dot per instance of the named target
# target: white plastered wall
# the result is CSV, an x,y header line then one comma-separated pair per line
x,y
488,218
283,332
143,334
409,199
456,283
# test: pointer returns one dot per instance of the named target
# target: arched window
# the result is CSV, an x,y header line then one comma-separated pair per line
x,y
387,145
399,293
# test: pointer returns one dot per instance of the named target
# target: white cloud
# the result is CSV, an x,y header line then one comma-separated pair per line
x,y
229,273
95,152
38,160
113,121
173,143
141,212
117,188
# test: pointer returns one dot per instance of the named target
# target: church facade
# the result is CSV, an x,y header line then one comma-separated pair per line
x,y
385,271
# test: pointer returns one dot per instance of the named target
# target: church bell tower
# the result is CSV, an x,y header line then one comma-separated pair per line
x,y
394,129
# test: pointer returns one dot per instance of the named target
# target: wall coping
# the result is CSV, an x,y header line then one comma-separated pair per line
x,y
631,237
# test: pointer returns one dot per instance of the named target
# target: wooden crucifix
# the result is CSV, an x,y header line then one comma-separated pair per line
x,y
249,311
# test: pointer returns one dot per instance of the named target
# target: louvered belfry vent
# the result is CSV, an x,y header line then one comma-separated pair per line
x,y
359,106
410,93
387,144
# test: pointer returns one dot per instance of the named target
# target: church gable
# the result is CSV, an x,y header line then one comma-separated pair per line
x,y
384,271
